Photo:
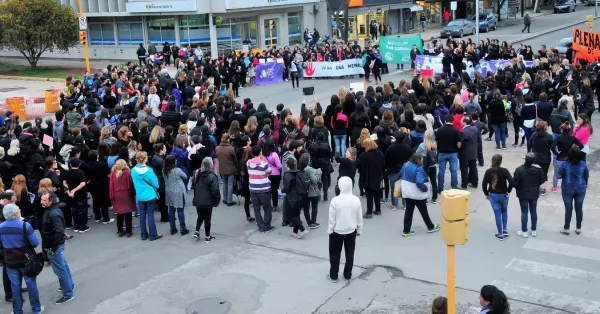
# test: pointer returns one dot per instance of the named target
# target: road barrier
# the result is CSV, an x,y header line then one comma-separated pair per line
x,y
34,107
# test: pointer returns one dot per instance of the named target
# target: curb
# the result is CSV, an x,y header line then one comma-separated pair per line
x,y
547,31
31,78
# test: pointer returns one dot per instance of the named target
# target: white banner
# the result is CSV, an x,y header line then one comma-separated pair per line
x,y
249,4
161,6
333,69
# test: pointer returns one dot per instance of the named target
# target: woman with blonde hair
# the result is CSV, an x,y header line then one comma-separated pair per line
x,y
428,149
364,134
371,167
156,136
183,135
19,186
121,194
106,134
342,92
45,186
154,102
251,129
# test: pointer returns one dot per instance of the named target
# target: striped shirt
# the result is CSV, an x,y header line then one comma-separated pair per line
x,y
258,173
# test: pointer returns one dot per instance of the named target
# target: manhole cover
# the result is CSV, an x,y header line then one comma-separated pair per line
x,y
209,306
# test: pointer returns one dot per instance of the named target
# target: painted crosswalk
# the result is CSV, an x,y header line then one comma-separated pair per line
x,y
550,271
563,249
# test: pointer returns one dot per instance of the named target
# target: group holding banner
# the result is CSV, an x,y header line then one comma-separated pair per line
x,y
272,72
435,63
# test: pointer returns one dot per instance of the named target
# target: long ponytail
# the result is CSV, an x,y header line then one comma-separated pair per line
x,y
498,302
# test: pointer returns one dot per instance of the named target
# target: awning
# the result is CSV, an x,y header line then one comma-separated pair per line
x,y
416,8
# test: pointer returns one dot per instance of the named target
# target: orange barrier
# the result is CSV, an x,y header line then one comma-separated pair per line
x,y
17,106
52,101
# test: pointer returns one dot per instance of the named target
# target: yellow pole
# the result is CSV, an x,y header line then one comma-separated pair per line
x,y
86,52
451,286
271,36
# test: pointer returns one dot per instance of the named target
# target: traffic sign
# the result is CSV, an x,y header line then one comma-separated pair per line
x,y
82,23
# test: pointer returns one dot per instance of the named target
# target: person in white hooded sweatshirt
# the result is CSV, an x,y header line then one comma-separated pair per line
x,y
345,223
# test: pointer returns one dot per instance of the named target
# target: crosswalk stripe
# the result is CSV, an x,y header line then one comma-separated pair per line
x,y
563,249
555,227
550,299
550,271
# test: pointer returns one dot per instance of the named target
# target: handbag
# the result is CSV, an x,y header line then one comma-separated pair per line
x,y
34,263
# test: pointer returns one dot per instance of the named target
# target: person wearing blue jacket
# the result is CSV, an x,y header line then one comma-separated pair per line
x,y
146,187
415,191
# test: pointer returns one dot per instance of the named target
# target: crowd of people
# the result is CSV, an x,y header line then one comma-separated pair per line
x,y
137,141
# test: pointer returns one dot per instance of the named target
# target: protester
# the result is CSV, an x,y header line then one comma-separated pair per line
x,y
497,185
528,179
146,185
122,196
175,194
206,197
575,175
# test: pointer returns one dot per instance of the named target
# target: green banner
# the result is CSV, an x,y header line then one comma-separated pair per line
x,y
397,49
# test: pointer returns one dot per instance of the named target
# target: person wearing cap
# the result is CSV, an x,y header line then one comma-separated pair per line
x,y
52,232
15,247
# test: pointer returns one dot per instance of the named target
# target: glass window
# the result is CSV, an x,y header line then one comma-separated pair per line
x,y
295,28
232,33
130,33
271,34
193,30
102,33
161,29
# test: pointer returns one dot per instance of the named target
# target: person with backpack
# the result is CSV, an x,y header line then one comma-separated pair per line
x,y
295,186
314,190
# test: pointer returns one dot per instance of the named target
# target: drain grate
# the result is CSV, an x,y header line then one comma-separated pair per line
x,y
209,306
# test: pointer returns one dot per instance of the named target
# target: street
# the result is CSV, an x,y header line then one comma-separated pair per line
x,y
245,271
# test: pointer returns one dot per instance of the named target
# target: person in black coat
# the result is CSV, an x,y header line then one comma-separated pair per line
x,y
471,138
371,166
206,197
320,156
541,146
528,179
447,63
98,176
171,117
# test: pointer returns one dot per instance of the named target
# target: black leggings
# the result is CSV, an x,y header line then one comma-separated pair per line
x,y
204,216
373,197
295,78
294,216
517,124
124,218
377,74
311,217
432,172
275,180
385,192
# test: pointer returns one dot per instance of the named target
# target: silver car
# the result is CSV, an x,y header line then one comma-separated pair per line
x,y
458,28
561,45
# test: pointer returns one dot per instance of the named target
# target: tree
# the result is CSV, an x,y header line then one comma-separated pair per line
x,y
33,27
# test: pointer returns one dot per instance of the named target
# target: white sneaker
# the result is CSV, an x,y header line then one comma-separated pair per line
x,y
522,234
110,221
533,233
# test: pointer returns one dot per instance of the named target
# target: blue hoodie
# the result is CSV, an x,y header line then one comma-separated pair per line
x,y
183,162
439,115
414,182
145,183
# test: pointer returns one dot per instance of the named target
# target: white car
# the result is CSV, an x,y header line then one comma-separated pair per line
x,y
561,45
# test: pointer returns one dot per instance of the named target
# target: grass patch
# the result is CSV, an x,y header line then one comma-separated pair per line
x,y
45,72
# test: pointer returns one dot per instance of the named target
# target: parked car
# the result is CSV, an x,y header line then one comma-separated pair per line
x,y
565,6
458,28
592,2
561,45
488,21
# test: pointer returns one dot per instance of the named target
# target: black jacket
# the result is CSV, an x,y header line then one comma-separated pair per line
x,y
470,141
171,118
320,156
395,156
289,188
206,190
528,179
497,112
541,145
52,230
371,166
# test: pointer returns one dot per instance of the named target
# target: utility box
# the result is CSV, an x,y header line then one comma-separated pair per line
x,y
454,205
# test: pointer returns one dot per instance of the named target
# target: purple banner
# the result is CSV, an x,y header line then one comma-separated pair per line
x,y
268,73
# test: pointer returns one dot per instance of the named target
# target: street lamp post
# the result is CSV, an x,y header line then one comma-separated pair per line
x,y
476,22
86,52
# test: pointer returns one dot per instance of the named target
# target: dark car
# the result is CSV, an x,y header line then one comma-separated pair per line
x,y
487,21
458,28
565,6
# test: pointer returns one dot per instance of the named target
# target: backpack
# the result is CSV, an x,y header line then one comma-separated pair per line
x,y
302,183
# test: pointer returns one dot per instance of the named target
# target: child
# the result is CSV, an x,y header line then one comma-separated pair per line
x,y
347,167
251,73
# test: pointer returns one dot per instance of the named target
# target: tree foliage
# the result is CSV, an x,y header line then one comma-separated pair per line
x,y
33,27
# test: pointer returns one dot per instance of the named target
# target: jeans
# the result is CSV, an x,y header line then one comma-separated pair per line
x,y
300,70
263,199
146,210
336,241
556,164
227,188
180,216
432,173
62,271
100,203
410,209
528,206
340,144
528,132
499,204
499,134
393,180
569,196
453,160
16,276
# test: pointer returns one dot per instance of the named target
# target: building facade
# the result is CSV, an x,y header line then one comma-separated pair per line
x,y
117,27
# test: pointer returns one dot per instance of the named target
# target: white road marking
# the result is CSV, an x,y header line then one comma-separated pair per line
x,y
550,299
563,249
550,271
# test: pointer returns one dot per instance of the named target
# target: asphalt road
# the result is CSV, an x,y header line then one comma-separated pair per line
x,y
551,39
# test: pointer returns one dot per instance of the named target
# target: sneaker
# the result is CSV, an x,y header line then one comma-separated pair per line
x,y
499,237
196,234
271,228
533,233
522,234
377,213
367,216
156,238
386,200
543,192
98,220
42,308
435,229
302,234
209,239
69,228
393,208
250,219
332,280
109,221
406,235
314,226
184,232
505,233
64,300
433,201
174,231
86,229
554,190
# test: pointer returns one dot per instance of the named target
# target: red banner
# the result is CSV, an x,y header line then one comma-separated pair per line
x,y
586,44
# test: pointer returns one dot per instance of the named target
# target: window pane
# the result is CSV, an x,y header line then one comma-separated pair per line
x,y
195,35
224,37
161,29
294,28
130,33
95,34
108,34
